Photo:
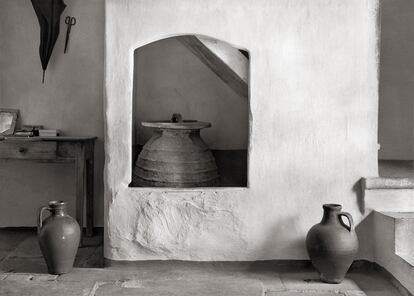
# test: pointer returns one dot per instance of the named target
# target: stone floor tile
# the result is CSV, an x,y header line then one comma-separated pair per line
x,y
305,293
270,280
42,288
150,281
3,254
29,276
82,256
310,281
28,248
93,275
356,293
378,293
97,259
371,281
9,239
91,257
23,265
18,277
183,287
44,277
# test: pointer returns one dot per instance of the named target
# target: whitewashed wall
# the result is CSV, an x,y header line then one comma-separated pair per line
x,y
313,129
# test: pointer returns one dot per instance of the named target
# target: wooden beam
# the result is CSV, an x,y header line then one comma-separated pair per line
x,y
214,63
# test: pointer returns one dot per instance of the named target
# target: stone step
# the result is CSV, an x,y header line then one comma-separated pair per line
x,y
229,55
394,248
404,234
226,61
388,194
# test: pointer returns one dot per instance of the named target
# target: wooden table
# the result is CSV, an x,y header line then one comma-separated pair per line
x,y
79,150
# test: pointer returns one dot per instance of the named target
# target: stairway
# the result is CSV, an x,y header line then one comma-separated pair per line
x,y
230,64
393,247
392,202
388,194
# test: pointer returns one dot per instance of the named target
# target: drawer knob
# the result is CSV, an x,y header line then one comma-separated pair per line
x,y
22,149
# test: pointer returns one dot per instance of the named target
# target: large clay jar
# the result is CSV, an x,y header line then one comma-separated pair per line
x,y
175,156
59,236
332,245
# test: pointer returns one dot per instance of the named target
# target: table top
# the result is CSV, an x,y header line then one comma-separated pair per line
x,y
37,139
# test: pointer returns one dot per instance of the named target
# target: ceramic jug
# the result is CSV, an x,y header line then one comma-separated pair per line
x,y
332,245
59,236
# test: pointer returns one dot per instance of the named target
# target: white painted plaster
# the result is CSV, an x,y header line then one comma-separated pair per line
x,y
313,133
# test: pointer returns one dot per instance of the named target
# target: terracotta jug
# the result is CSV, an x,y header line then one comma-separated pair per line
x,y
332,244
59,236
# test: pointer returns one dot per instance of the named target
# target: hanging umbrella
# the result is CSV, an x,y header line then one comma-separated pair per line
x,y
48,12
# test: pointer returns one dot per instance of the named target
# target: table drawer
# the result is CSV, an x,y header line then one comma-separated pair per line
x,y
28,150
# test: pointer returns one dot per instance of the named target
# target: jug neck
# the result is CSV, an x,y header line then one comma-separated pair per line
x,y
58,208
330,213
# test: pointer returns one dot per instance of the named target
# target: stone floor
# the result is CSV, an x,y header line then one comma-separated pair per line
x,y
23,272
396,168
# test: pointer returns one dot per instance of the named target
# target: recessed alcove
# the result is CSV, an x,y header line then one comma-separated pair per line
x,y
203,79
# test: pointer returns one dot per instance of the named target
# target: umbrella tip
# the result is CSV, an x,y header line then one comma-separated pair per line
x,y
43,79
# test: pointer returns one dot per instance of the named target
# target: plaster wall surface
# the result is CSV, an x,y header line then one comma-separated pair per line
x,y
169,78
313,127
69,100
396,103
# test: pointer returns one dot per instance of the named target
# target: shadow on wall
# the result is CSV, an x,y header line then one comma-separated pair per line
x,y
272,242
357,189
365,233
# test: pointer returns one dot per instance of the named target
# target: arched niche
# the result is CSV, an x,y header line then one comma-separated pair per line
x,y
203,79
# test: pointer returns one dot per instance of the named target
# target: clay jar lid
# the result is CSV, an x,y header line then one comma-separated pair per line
x,y
177,123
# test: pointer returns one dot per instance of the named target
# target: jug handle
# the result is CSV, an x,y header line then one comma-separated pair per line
x,y
351,221
40,217
176,117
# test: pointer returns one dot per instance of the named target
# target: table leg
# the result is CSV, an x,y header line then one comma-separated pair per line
x,y
89,196
80,191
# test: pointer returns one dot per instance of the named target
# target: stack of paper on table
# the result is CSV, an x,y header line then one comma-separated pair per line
x,y
48,132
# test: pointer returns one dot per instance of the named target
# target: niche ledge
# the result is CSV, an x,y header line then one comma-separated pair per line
x,y
145,190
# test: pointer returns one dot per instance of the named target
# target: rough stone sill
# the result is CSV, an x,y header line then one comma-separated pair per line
x,y
193,189
372,183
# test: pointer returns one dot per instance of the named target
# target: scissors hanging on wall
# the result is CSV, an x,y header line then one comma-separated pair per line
x,y
69,21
